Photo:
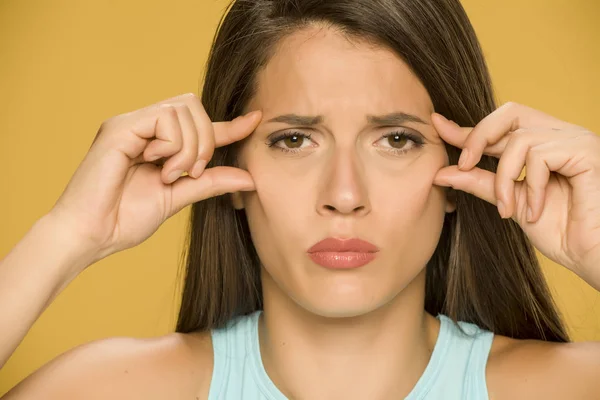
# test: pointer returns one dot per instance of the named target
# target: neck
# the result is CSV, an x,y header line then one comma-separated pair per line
x,y
378,355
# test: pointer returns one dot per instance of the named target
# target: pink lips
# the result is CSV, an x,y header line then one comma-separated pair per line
x,y
339,254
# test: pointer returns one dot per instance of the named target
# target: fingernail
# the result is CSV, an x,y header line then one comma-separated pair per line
x,y
250,114
529,214
442,182
464,156
501,209
446,119
441,116
153,158
198,168
172,177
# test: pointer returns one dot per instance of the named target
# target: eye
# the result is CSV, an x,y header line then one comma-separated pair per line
x,y
289,141
400,142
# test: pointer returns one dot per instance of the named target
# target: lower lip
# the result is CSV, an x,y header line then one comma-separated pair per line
x,y
341,260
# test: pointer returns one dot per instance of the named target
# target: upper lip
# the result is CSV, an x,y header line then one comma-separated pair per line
x,y
343,245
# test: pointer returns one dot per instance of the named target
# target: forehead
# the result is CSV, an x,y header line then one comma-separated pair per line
x,y
318,70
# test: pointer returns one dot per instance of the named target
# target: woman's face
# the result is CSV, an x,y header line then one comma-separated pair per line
x,y
347,180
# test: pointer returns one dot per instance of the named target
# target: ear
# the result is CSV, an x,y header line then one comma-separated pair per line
x,y
450,200
237,201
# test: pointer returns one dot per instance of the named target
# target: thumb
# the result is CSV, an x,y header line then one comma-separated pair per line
x,y
477,181
213,182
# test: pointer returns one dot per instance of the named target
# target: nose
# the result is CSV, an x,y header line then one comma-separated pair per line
x,y
344,187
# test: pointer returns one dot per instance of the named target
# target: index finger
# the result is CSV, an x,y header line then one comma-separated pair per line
x,y
227,132
495,126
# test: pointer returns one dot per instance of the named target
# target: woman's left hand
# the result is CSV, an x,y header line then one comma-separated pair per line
x,y
557,204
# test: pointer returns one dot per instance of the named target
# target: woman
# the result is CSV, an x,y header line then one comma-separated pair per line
x,y
353,259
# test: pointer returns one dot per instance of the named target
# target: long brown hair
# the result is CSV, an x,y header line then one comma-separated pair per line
x,y
484,270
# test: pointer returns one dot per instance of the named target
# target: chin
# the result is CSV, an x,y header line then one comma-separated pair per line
x,y
344,299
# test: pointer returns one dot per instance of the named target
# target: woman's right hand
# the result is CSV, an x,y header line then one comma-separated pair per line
x,y
130,181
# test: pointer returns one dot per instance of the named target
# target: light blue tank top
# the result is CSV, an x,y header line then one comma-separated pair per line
x,y
456,369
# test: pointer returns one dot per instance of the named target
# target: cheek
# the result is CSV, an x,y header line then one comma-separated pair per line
x,y
409,210
281,185
408,189
279,209
405,206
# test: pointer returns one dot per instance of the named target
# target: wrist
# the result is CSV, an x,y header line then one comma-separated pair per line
x,y
591,269
73,253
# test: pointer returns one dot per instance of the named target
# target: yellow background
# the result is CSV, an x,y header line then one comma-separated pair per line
x,y
67,65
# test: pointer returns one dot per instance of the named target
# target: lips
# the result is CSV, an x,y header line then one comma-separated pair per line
x,y
335,245
342,254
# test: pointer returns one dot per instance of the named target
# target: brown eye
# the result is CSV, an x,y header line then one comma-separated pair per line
x,y
401,142
397,141
293,141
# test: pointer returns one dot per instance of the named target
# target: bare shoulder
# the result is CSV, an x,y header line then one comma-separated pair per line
x,y
174,366
534,369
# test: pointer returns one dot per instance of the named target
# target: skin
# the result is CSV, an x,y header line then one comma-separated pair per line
x,y
345,181
324,326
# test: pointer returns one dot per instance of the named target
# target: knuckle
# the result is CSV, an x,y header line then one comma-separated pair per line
x,y
190,95
205,153
533,155
210,181
168,110
180,107
196,107
192,99
166,107
510,105
517,141
189,154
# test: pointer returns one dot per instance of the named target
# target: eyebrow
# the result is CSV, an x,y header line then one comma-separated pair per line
x,y
395,118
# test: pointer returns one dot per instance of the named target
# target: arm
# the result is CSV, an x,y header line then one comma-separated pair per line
x,y
32,274
175,366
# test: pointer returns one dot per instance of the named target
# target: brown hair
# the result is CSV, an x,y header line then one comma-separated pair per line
x,y
484,270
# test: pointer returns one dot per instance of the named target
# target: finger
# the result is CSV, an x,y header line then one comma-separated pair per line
x,y
213,182
477,181
456,135
573,159
163,129
206,134
536,178
449,130
203,124
480,183
237,129
221,133
565,157
185,159
514,158
225,132
507,118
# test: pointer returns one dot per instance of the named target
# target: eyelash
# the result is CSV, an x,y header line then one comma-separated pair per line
x,y
417,140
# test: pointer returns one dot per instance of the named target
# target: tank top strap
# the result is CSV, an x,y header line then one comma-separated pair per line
x,y
234,367
468,360
475,376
